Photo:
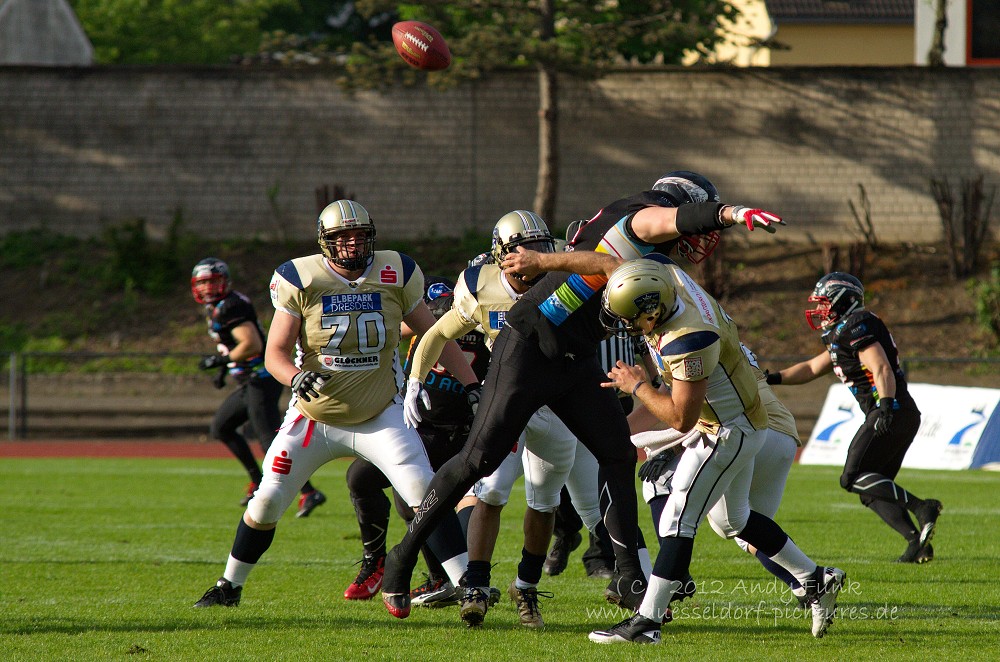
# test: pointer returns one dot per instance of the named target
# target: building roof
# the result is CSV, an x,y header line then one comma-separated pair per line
x,y
841,11
42,32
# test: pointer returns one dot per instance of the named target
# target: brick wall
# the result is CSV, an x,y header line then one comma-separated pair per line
x,y
241,151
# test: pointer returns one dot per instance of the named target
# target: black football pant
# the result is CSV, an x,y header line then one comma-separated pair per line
x,y
520,380
871,468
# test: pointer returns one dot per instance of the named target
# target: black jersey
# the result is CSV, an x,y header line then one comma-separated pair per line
x,y
449,402
845,341
227,314
562,308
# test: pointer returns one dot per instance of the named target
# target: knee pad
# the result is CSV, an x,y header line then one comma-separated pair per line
x,y
491,494
268,504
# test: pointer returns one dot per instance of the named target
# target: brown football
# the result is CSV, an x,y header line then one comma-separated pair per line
x,y
421,46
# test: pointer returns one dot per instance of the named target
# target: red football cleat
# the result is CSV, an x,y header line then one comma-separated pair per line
x,y
369,579
398,604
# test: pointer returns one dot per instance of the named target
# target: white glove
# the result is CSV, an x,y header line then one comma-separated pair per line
x,y
757,218
414,391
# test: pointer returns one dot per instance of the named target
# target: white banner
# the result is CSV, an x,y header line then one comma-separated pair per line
x,y
952,422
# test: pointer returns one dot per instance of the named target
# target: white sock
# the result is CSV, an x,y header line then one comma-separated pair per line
x,y
792,559
237,571
657,600
455,567
520,584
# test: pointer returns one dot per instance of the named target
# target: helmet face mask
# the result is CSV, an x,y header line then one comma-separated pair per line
x,y
210,281
836,296
520,228
696,248
346,235
637,291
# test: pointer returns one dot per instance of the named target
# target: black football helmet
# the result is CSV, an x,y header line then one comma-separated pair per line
x,y
342,216
210,281
836,296
684,187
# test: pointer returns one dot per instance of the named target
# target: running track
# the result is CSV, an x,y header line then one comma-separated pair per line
x,y
182,448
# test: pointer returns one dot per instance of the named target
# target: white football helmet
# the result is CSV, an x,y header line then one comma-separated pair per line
x,y
341,216
636,289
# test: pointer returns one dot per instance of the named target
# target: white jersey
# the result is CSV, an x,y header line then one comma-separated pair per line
x,y
349,329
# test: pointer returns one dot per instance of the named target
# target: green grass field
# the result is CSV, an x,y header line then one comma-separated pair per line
x,y
103,558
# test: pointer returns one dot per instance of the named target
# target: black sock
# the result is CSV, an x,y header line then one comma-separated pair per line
x,y
764,534
895,516
250,544
530,568
673,562
238,446
478,573
464,515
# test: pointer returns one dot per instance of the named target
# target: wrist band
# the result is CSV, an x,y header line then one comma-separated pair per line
x,y
637,385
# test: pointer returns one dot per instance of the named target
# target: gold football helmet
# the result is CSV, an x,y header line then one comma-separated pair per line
x,y
341,216
520,228
637,289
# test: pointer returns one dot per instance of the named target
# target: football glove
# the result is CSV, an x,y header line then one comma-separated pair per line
x,y
757,218
883,417
307,384
415,392
219,381
213,361
474,392
772,378
657,466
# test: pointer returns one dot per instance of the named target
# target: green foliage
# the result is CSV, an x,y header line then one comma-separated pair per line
x,y
139,264
174,31
29,248
986,294
578,38
125,562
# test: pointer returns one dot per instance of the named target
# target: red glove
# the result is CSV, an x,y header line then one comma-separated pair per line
x,y
757,218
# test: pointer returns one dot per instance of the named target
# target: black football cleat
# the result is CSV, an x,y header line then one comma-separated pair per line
x,y
223,594
636,629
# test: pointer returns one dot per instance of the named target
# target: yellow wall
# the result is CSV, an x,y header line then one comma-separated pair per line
x,y
844,45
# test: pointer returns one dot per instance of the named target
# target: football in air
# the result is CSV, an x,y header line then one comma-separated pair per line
x,y
421,46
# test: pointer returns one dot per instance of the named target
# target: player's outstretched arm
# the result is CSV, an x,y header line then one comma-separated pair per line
x,y
529,264
659,224
803,372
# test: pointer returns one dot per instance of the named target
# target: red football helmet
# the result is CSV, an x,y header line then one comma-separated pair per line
x,y
210,281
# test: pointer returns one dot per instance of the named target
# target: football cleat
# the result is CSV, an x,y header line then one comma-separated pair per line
x,y
223,594
626,592
309,501
251,488
824,600
558,557
434,593
369,579
917,553
927,515
636,629
526,600
601,572
473,605
398,604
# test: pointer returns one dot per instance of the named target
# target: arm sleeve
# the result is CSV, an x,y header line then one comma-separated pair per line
x,y
449,327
